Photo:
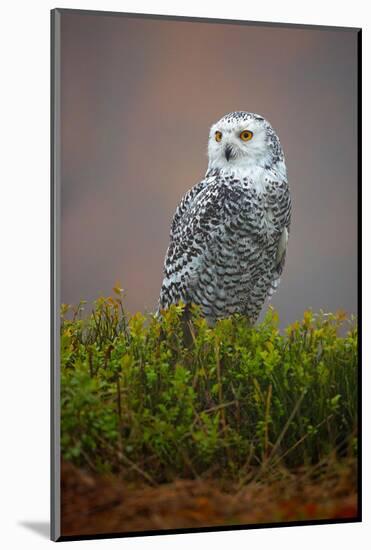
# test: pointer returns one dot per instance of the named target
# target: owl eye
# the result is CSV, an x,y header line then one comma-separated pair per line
x,y
246,135
218,136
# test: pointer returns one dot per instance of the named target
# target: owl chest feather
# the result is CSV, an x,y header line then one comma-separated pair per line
x,y
255,214
240,232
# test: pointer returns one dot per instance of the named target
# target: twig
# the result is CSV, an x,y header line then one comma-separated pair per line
x,y
267,410
286,426
137,468
302,439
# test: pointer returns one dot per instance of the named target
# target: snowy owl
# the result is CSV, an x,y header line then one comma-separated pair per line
x,y
229,233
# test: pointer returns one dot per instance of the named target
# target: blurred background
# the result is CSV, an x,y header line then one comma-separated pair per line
x,y
138,98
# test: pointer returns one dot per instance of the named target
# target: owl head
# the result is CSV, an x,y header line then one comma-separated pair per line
x,y
241,140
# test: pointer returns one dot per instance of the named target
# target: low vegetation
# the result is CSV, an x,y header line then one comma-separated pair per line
x,y
138,403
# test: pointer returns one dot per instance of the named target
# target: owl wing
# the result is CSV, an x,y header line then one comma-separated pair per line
x,y
171,290
185,206
200,217
280,200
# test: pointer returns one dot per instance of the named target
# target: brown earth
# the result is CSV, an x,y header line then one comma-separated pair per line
x,y
93,504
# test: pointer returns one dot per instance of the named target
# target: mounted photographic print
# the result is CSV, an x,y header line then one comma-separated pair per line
x,y
205,251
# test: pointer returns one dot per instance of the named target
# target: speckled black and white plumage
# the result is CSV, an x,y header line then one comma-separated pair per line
x,y
229,233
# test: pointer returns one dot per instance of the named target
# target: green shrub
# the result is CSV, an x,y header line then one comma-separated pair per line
x,y
135,400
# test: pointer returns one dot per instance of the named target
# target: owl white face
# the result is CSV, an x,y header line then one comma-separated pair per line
x,y
242,140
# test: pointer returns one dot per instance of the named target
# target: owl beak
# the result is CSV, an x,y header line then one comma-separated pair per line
x,y
228,152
